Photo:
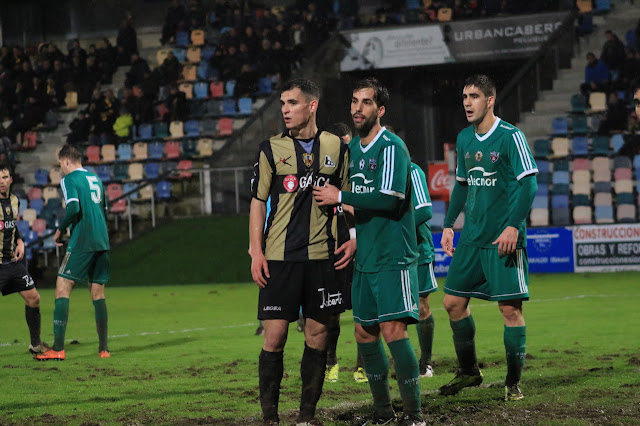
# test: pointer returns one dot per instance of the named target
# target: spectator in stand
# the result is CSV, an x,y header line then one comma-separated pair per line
x,y
25,74
136,73
282,61
38,91
230,64
196,14
251,40
170,69
122,125
5,57
176,15
4,104
280,35
243,52
230,37
630,70
247,81
143,107
89,81
55,93
18,56
613,52
102,133
33,115
76,50
106,58
80,129
58,73
596,76
77,71
128,100
265,62
615,117
177,105
150,85
111,104
53,53
126,42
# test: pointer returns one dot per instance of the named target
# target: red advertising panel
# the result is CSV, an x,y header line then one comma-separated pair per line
x,y
439,181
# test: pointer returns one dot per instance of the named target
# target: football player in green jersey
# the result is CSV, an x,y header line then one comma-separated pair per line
x,y
87,255
385,282
496,179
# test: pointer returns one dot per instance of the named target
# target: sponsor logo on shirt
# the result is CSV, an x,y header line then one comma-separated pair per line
x,y
312,180
479,156
290,183
328,162
361,189
485,180
284,160
329,299
7,224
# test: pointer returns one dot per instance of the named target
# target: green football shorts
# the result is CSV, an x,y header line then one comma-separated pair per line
x,y
86,267
426,280
482,273
385,296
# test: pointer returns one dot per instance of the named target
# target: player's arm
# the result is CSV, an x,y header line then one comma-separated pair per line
x,y
420,195
72,212
260,187
17,238
525,169
456,204
350,246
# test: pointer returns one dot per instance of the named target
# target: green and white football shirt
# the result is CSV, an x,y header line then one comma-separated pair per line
x,y
492,164
90,232
386,239
422,200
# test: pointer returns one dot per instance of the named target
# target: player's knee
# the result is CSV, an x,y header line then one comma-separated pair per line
x,y
511,313
32,298
425,312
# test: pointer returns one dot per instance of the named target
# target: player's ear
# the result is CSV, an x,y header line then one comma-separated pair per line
x,y
381,111
491,101
313,105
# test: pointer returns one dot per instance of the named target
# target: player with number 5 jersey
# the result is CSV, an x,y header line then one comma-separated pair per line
x,y
87,255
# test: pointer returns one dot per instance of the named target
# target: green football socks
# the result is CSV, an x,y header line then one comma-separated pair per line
x,y
464,332
100,307
407,375
376,364
60,317
514,344
425,337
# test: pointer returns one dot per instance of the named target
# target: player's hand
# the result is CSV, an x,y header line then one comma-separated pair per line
x,y
56,238
326,195
349,250
507,241
447,241
19,249
259,269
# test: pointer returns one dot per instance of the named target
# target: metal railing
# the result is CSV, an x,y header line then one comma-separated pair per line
x,y
538,73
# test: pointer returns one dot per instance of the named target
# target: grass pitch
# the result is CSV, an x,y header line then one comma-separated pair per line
x,y
188,355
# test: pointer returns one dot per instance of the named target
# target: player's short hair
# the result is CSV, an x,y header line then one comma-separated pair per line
x,y
5,165
309,89
483,82
340,129
70,152
635,86
380,93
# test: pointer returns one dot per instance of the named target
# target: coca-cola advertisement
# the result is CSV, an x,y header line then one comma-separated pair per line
x,y
439,181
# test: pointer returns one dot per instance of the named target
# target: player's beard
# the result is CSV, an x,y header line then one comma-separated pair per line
x,y
365,127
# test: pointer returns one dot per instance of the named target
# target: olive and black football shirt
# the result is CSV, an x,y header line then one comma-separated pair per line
x,y
297,229
8,230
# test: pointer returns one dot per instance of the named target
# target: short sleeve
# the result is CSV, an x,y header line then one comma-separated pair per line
x,y
69,190
520,156
420,193
262,174
393,177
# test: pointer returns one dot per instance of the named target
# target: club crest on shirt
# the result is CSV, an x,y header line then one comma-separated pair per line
x,y
361,164
328,162
467,156
479,156
7,211
494,155
307,159
372,164
290,183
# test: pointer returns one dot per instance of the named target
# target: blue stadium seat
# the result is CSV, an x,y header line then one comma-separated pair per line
x,y
560,189
203,70
152,170
145,132
543,189
207,53
229,107
558,201
230,87
104,172
23,204
604,214
264,86
192,128
41,176
130,186
245,106
156,150
37,204
602,5
631,39
560,177
182,38
543,166
622,162
560,126
124,152
90,169
201,90
580,146
540,202
23,226
180,54
560,216
602,187
617,142
544,178
163,190
208,127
